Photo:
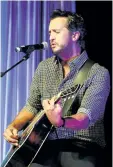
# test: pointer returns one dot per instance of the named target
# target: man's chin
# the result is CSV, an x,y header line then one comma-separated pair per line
x,y
55,51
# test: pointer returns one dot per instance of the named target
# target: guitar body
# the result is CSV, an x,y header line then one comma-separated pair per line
x,y
33,137
30,144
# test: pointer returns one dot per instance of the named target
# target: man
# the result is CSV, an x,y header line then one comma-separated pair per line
x,y
78,140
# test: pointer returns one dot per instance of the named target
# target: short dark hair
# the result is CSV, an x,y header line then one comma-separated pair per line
x,y
75,23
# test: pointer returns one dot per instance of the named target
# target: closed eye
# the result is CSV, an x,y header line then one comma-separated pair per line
x,y
56,31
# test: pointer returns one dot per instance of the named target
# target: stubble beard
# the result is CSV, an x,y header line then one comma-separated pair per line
x,y
58,52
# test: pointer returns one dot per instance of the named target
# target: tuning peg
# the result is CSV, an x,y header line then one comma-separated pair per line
x,y
64,99
72,96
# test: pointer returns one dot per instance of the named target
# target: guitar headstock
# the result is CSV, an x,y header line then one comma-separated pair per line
x,y
69,93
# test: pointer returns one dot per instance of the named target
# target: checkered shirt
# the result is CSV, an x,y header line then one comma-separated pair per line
x,y
49,81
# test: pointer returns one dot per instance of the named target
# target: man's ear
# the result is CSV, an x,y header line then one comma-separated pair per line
x,y
75,36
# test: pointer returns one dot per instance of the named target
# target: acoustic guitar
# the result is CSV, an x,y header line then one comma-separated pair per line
x,y
41,128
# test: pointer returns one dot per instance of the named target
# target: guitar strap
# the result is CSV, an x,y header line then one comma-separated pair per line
x,y
79,80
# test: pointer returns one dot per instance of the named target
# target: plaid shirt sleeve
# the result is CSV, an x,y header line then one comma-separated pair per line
x,y
95,97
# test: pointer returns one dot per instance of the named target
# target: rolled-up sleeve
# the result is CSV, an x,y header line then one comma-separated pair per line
x,y
95,97
33,103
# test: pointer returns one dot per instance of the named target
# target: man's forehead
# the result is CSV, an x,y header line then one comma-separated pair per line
x,y
58,23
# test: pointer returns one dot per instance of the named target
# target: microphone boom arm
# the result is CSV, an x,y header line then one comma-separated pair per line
x,y
23,59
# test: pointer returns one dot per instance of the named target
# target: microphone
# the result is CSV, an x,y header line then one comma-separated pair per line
x,y
30,48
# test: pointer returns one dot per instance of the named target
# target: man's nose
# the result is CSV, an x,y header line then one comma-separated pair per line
x,y
52,36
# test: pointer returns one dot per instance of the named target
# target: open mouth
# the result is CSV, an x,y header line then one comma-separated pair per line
x,y
53,46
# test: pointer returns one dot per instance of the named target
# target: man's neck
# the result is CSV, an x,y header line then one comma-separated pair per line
x,y
67,57
65,65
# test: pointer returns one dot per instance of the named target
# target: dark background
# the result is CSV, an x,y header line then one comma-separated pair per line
x,y
98,21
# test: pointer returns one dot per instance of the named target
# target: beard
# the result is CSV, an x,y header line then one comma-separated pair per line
x,y
59,50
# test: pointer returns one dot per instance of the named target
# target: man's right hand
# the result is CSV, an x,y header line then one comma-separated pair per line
x,y
11,135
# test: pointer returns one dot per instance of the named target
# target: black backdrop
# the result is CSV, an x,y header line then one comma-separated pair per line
x,y
98,20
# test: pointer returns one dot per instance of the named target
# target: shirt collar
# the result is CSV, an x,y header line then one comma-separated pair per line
x,y
77,62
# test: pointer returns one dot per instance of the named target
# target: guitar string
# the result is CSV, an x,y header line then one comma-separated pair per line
x,y
36,119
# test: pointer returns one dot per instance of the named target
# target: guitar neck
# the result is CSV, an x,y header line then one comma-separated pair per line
x,y
37,118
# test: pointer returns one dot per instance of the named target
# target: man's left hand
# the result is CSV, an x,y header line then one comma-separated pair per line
x,y
53,111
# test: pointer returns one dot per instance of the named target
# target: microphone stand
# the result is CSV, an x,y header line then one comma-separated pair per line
x,y
23,59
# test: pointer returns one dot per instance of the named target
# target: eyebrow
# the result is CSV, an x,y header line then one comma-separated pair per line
x,y
54,30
